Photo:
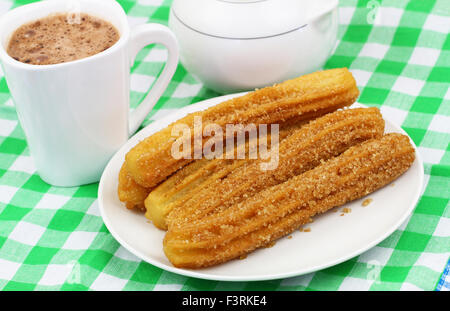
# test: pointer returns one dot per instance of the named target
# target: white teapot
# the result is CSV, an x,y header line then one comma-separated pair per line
x,y
237,45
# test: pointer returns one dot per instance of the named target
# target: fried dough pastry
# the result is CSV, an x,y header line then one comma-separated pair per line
x,y
307,147
304,98
132,194
187,181
281,209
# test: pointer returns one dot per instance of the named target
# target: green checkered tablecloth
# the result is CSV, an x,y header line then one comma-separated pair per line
x,y
399,51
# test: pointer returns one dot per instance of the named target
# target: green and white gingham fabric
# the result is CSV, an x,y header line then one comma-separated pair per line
x,y
399,51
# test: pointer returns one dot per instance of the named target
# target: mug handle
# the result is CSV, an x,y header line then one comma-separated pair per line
x,y
141,36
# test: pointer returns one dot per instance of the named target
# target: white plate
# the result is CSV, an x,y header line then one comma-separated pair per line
x,y
332,240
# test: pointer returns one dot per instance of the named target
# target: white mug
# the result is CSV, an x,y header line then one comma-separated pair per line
x,y
75,115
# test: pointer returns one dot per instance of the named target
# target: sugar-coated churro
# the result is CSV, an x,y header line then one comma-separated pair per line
x,y
307,147
300,99
187,181
132,194
281,209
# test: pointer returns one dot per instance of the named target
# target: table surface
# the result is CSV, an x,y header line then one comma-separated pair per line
x,y
399,52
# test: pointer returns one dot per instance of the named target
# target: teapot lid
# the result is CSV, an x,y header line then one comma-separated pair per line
x,y
248,19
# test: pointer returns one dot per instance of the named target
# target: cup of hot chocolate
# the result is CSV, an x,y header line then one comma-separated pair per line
x,y
67,65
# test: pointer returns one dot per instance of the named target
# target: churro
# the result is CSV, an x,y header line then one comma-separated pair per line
x,y
307,147
132,194
281,209
304,98
187,181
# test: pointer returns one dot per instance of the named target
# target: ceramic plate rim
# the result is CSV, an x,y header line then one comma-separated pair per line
x,y
209,276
